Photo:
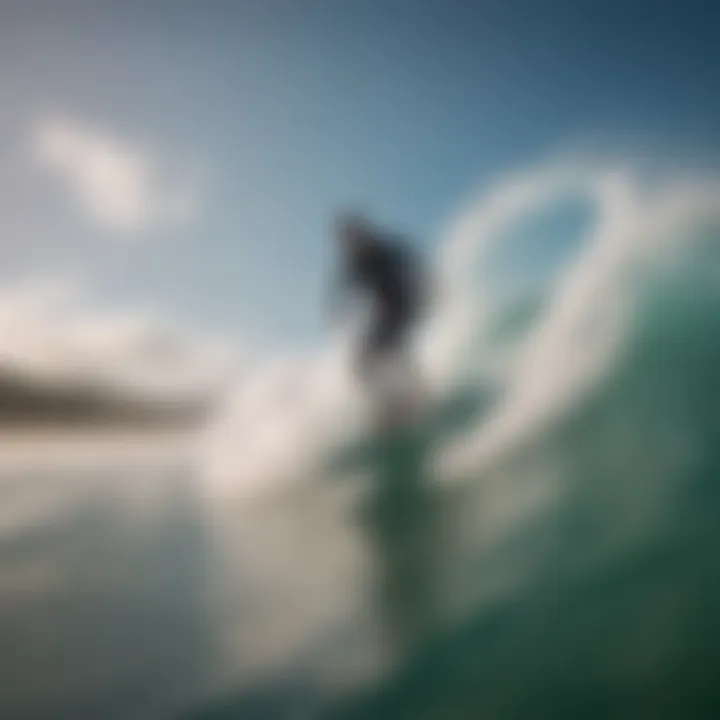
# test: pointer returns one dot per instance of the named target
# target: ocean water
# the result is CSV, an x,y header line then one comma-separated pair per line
x,y
542,543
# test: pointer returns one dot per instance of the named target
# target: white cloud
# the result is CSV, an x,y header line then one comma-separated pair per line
x,y
115,184
47,333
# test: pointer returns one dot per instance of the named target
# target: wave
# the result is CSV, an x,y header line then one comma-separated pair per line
x,y
546,342
584,580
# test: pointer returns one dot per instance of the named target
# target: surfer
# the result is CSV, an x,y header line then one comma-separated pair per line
x,y
390,273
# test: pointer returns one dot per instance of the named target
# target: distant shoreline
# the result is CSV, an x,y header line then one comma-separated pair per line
x,y
27,403
87,425
27,437
33,448
11,433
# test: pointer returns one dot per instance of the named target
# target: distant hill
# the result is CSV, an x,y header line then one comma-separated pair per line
x,y
26,400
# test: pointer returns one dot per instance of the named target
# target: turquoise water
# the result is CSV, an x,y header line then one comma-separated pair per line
x,y
613,612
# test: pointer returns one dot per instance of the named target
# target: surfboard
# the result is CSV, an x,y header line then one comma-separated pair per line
x,y
419,432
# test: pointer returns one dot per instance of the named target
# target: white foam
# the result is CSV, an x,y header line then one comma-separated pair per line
x,y
575,342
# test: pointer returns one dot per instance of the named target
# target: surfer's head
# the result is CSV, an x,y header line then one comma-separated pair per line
x,y
353,231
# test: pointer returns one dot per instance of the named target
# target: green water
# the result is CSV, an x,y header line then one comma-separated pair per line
x,y
614,610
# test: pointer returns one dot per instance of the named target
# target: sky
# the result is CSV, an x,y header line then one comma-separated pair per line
x,y
185,158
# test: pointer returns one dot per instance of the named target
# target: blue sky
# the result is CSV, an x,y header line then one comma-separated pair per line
x,y
267,116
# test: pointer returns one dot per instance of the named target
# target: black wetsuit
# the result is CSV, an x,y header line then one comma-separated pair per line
x,y
389,272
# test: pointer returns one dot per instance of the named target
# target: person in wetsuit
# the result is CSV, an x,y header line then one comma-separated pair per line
x,y
388,270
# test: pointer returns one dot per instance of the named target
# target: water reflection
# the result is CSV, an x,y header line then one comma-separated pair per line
x,y
101,595
123,593
403,521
